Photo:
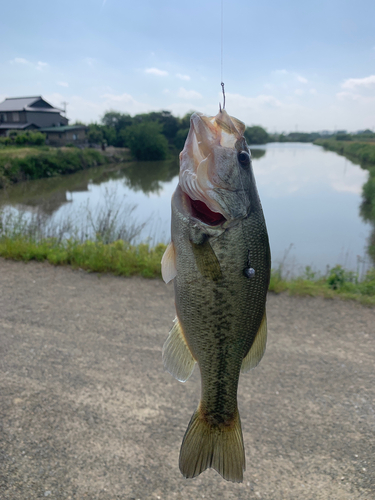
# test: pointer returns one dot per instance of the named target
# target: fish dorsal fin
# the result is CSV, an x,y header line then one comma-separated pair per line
x,y
168,263
255,354
177,357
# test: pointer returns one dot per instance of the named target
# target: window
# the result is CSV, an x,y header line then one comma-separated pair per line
x,y
16,116
3,117
74,137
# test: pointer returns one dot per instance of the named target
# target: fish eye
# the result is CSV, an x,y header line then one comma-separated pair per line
x,y
244,159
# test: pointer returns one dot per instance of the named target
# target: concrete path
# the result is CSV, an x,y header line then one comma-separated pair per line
x,y
87,411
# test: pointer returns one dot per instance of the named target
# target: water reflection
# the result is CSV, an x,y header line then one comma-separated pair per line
x,y
310,199
48,195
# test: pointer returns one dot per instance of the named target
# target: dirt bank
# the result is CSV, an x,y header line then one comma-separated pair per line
x,y
87,411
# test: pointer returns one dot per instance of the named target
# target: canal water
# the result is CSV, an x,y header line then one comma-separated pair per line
x,y
310,198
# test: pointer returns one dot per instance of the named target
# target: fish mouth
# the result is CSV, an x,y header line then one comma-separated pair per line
x,y
200,211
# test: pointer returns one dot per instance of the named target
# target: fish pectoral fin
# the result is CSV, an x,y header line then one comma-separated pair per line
x,y
177,357
168,263
206,260
255,354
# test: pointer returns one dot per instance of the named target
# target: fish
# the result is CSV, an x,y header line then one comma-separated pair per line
x,y
219,261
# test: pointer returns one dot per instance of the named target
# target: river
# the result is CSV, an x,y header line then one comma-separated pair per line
x,y
310,198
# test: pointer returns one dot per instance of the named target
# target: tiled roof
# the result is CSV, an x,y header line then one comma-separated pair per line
x,y
16,126
25,103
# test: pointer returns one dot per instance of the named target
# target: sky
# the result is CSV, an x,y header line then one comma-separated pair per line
x,y
287,65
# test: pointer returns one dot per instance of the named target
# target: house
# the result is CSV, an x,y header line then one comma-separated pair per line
x,y
61,136
28,113
35,113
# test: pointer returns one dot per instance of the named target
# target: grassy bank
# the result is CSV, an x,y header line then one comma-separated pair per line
x,y
24,163
360,152
119,257
123,259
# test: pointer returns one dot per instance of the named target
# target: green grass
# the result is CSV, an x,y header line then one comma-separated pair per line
x,y
338,283
123,259
362,152
118,258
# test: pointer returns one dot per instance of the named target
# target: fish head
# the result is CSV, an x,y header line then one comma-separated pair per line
x,y
215,169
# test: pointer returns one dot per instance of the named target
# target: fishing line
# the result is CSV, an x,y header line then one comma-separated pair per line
x,y
222,52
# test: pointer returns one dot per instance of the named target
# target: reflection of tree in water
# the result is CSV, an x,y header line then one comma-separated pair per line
x,y
257,153
148,176
367,209
50,194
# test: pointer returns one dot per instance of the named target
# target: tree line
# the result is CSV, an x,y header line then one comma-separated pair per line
x,y
153,135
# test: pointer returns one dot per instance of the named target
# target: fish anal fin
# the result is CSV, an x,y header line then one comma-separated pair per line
x,y
168,263
255,354
177,357
211,446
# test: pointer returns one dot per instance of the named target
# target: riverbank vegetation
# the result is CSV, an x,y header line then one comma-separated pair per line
x,y
106,242
24,163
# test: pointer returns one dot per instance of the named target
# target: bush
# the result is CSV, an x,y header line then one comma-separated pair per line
x,y
27,138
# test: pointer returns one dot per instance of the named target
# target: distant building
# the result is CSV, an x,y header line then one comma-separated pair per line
x,y
61,136
28,113
35,113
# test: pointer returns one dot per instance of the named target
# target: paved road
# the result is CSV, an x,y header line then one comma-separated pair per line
x,y
87,411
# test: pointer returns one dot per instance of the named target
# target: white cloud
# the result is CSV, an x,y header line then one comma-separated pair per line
x,y
355,83
20,60
313,91
166,91
63,84
41,65
299,92
188,94
280,72
301,79
156,71
183,77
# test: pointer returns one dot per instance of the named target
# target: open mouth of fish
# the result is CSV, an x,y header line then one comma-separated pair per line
x,y
200,211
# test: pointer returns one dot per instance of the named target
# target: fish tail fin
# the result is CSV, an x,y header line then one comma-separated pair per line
x,y
220,447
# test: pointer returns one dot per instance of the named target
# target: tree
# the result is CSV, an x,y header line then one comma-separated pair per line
x,y
146,141
95,135
256,135
179,140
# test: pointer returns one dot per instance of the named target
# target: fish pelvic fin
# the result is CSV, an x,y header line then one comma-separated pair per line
x,y
220,447
255,354
177,357
168,263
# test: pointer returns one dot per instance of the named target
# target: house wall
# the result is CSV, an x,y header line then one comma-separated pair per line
x,y
11,117
45,119
77,137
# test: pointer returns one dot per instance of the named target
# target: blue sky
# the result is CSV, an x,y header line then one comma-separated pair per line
x,y
287,65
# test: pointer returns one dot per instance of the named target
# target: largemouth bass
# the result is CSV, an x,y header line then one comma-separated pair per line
x,y
219,260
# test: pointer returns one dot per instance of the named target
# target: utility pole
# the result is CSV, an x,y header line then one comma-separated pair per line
x,y
64,103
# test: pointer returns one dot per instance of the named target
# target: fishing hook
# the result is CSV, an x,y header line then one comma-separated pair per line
x,y
222,86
